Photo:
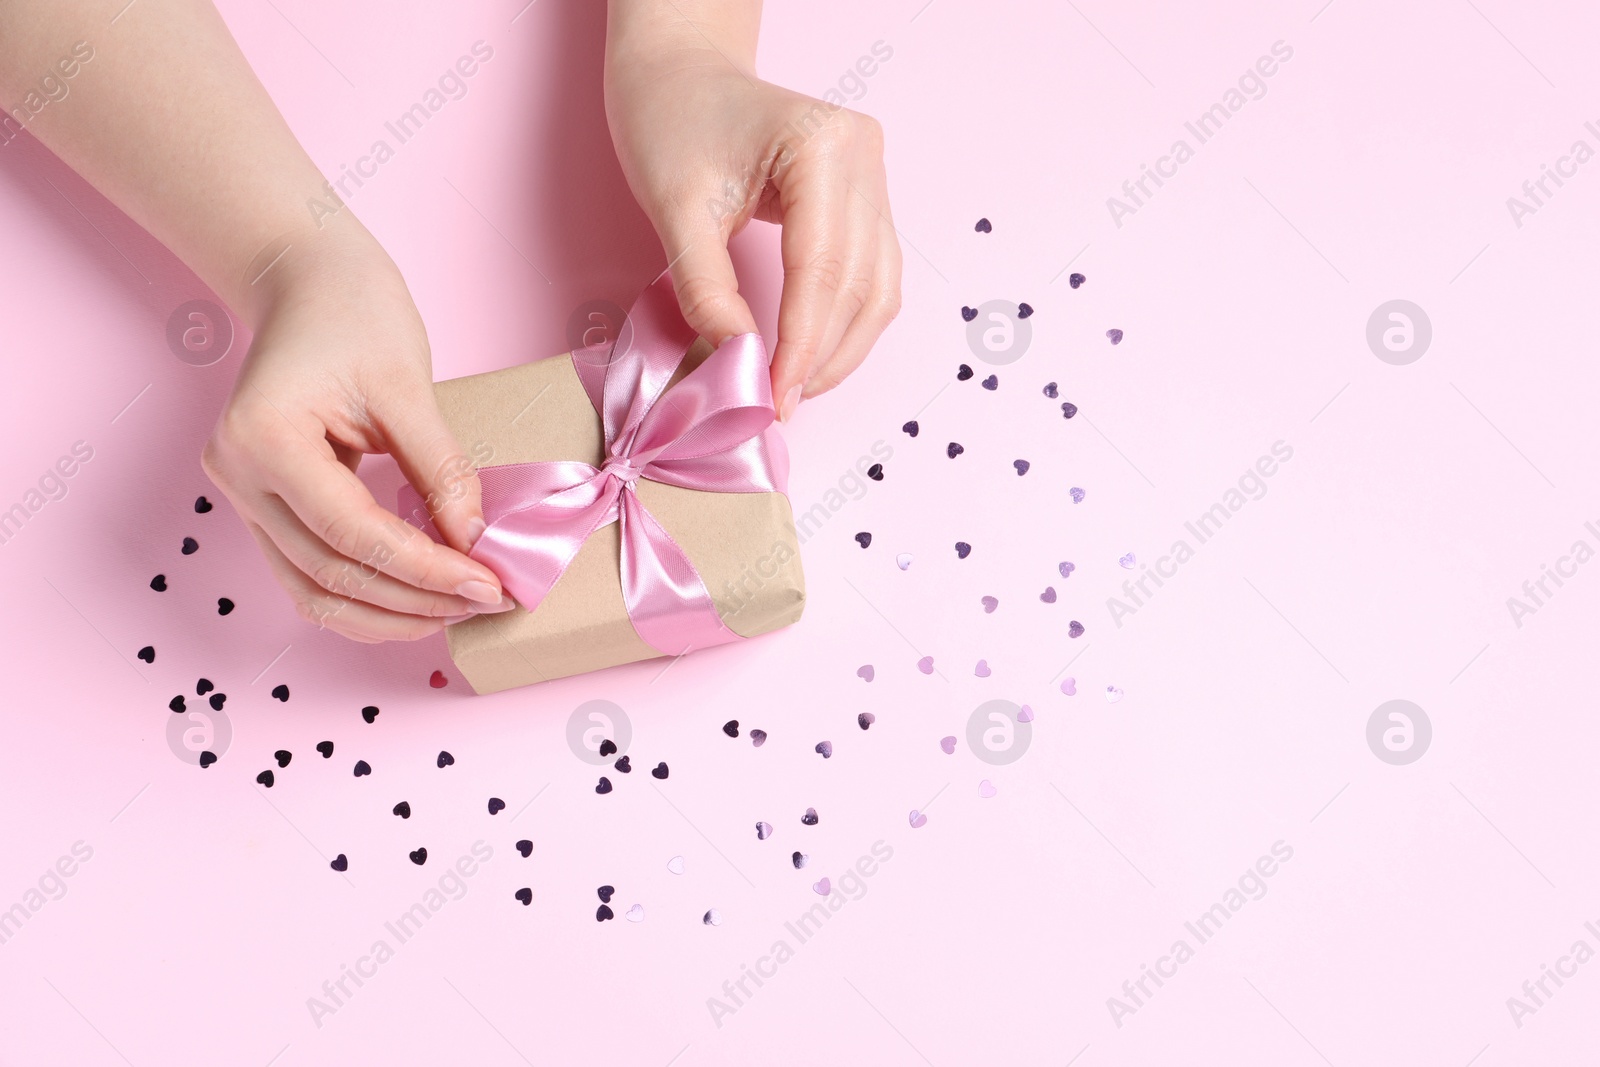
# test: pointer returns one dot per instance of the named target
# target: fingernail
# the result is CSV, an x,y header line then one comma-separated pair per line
x,y
475,528
506,604
479,592
791,400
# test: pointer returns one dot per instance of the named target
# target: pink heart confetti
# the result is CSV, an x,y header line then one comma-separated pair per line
x,y
986,789
1049,594
1069,686
1113,694
982,669
865,672
903,560
1077,495
925,664
1066,569
918,820
763,831
636,913
1025,715
948,744
989,604
823,888
1127,561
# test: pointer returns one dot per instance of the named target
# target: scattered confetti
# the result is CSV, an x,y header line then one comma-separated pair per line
x,y
918,820
339,863
863,539
1049,594
983,226
603,786
283,756
986,789
496,805
659,771
525,895
1024,311
809,818
712,918
1025,715
1066,568
159,583
982,669
265,778
865,672
989,604
968,314
207,758
605,893
148,653
911,428
825,749
607,746
190,546
326,748
1076,280
369,713
362,768
636,913
963,372
623,765
731,727
437,680
1021,465
675,865
1069,686
799,859
822,888
948,744
763,831
1068,409
875,472
525,847
604,912
280,692
758,737
866,719
953,450
1127,561
201,505
1074,628
419,857
1115,335
224,605
963,550
925,664
1113,694
403,809
1077,495
1050,391
991,383
903,561
445,760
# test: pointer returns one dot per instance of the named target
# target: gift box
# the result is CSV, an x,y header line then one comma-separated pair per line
x,y
634,492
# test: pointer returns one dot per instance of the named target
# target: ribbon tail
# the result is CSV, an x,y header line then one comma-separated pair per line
x,y
668,602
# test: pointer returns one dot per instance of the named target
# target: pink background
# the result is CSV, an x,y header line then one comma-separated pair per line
x,y
1376,566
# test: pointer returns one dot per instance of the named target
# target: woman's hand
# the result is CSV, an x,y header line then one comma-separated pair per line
x,y
706,147
340,367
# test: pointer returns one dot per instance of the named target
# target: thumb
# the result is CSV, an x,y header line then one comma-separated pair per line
x,y
432,460
707,288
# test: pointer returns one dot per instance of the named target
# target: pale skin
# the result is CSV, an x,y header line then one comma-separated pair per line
x,y
340,365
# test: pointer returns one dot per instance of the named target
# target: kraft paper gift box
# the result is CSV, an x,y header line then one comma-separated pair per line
x,y
742,544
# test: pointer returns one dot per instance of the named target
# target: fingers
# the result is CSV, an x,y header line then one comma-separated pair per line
x,y
349,618
337,508
347,578
841,260
433,462
703,278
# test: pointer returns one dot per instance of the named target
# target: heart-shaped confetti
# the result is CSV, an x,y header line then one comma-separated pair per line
x,y
918,820
731,727
362,768
968,314
525,847
280,692
799,859
991,383
177,705
953,450
1074,628
326,748
369,713
1025,715
525,895
675,865
605,892
403,809
201,505
1066,569
911,428
1051,391
866,719
758,737
603,786
1076,280
982,669
217,700
1127,561
604,912
989,604
948,744
809,818
822,888
986,789
224,605
1076,494
825,749
339,863
265,778
963,550
419,857
1068,409
1024,311
159,583
445,760
863,539
203,686
438,680
636,914
659,771
865,672
963,372
1115,335
1049,594
983,226
903,561
207,758
1069,686
763,831
1021,465
148,653
712,918
607,746
925,664
190,546
283,756
623,765
875,472
1113,694
496,805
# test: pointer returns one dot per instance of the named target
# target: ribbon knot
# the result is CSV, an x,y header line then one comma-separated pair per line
x,y
706,433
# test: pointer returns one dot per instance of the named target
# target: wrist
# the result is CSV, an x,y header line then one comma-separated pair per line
x,y
340,260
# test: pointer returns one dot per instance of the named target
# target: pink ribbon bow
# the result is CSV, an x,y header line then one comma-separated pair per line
x,y
708,432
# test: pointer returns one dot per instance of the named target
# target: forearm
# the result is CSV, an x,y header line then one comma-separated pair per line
x,y
647,28
166,119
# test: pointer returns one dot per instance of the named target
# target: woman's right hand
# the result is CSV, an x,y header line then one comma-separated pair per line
x,y
340,367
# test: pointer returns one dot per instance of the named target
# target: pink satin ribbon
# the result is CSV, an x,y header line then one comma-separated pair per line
x,y
709,432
